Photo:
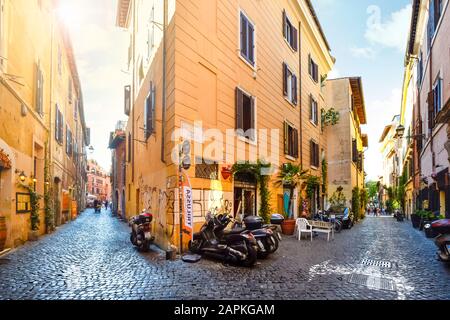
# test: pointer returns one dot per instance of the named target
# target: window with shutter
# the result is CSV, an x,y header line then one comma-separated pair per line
x,y
245,115
314,111
39,91
290,85
149,112
290,140
127,100
313,69
247,39
290,32
431,115
354,151
57,123
314,154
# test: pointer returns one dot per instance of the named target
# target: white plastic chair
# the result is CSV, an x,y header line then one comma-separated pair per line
x,y
301,226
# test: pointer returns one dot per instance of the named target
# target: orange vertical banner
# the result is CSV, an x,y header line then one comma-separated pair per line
x,y
188,205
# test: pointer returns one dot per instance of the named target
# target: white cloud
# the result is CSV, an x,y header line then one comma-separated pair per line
x,y
363,52
379,114
391,33
335,73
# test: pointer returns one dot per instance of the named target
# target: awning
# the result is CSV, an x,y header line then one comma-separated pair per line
x,y
5,162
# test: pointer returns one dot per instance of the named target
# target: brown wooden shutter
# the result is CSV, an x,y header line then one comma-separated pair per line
x,y
153,106
294,89
243,35
284,24
253,119
127,100
295,143
295,38
310,65
431,106
311,150
285,75
286,138
239,109
251,43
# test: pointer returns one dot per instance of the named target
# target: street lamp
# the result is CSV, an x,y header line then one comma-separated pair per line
x,y
400,131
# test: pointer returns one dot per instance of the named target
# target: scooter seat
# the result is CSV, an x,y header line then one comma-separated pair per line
x,y
234,231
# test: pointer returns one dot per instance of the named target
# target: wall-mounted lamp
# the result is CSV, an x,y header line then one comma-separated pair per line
x,y
22,176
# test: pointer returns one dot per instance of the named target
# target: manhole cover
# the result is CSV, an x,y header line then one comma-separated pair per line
x,y
372,282
377,263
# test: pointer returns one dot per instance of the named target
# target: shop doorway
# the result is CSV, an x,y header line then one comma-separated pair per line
x,y
245,195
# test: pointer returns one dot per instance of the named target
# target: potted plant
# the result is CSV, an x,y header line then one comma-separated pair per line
x,y
290,177
415,219
34,216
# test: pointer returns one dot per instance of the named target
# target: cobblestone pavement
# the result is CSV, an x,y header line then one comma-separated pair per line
x,y
91,258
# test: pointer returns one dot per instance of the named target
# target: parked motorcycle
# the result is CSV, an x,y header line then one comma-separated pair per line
x,y
326,217
141,235
237,245
267,236
442,241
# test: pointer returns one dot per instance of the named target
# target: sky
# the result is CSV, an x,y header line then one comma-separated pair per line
x,y
367,38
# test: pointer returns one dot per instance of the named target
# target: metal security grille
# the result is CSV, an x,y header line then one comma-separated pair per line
x,y
377,263
372,282
207,171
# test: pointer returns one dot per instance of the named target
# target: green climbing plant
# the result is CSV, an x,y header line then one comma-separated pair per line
x,y
259,171
356,204
48,198
35,206
324,176
330,117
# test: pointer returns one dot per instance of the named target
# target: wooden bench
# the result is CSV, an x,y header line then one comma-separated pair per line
x,y
323,227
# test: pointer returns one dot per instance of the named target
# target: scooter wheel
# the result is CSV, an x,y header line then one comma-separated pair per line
x,y
194,246
275,245
252,257
144,247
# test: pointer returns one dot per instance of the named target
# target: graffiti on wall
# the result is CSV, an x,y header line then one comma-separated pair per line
x,y
212,200
164,205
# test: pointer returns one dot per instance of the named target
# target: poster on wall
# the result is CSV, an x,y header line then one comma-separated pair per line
x,y
188,205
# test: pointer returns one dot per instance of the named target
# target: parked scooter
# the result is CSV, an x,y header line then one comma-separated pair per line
x,y
267,236
442,241
238,245
141,235
399,216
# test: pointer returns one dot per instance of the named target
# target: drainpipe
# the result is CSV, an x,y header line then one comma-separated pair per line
x,y
133,92
164,93
300,93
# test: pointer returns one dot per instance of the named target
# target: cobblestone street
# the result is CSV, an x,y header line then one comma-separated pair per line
x,y
92,258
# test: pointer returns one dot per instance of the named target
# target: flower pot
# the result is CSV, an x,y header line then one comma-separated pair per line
x,y
2,233
288,227
415,220
33,235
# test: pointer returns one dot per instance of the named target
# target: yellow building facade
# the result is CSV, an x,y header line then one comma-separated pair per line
x,y
346,141
230,65
41,117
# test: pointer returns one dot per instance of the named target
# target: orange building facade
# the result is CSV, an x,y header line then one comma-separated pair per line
x,y
232,65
